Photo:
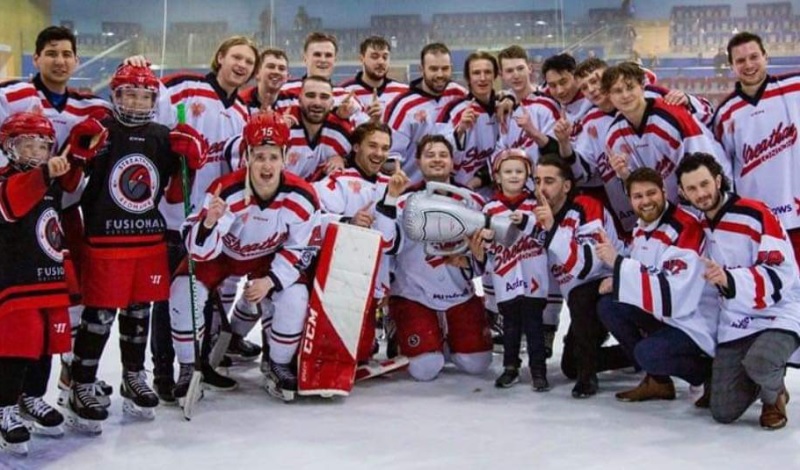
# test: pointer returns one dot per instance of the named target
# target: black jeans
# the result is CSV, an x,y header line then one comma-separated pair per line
x,y
523,315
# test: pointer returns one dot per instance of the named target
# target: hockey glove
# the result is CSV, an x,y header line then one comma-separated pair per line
x,y
186,141
87,138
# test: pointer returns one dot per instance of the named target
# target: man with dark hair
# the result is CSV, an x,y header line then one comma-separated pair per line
x,y
559,76
274,72
372,87
413,114
654,311
574,223
757,126
749,261
649,132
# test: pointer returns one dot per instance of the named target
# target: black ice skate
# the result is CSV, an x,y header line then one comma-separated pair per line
x,y
14,436
183,384
139,399
102,390
84,413
281,381
216,381
39,417
164,387
242,350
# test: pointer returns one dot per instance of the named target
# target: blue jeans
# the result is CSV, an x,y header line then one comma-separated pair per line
x,y
658,348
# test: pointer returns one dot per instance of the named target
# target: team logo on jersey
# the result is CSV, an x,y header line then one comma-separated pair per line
x,y
197,109
592,130
292,159
134,183
354,186
48,234
421,116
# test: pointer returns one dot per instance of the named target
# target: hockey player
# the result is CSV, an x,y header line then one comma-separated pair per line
x,y
428,318
265,236
56,59
649,132
656,315
518,271
412,115
559,75
319,140
573,223
757,126
372,87
215,110
34,323
124,266
271,76
749,261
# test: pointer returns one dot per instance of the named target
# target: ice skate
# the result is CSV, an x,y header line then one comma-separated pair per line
x,y
139,399
182,385
39,417
164,386
241,350
281,381
102,390
14,436
216,381
84,413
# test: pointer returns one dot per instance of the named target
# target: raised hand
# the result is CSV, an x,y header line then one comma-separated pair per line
x,y
715,273
375,110
216,209
503,109
334,163
137,61
543,211
348,106
364,216
606,286
619,161
86,139
677,98
605,250
57,166
468,118
477,243
398,182
563,129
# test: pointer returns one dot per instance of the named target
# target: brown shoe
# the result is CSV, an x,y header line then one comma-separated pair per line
x,y
705,400
774,416
649,389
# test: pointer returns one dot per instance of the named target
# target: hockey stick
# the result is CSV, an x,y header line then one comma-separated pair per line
x,y
193,394
225,332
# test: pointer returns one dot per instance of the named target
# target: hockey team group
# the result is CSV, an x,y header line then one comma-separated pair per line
x,y
190,208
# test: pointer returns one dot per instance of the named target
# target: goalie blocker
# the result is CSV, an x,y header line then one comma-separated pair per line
x,y
341,297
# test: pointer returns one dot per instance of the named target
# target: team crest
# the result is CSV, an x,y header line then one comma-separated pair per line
x,y
49,235
421,115
625,148
197,109
134,183
354,186
592,132
292,159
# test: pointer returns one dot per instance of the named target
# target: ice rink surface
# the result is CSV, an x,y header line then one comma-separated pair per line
x,y
454,422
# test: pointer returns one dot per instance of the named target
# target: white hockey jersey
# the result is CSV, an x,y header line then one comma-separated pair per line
x,y
284,226
699,107
426,279
17,97
570,243
665,135
362,92
759,135
519,270
763,291
412,115
306,155
213,114
663,275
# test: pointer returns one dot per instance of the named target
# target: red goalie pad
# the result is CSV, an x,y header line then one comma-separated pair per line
x,y
340,299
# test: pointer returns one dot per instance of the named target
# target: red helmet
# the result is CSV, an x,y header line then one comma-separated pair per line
x,y
127,77
266,128
26,125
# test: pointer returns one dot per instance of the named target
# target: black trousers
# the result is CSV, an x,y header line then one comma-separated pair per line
x,y
523,315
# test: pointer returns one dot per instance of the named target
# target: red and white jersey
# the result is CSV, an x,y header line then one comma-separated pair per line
x,y
519,270
570,243
665,135
289,94
412,115
306,155
427,279
543,112
759,135
215,115
345,192
250,98
663,275
698,106
575,109
472,152
387,92
17,97
283,226
763,292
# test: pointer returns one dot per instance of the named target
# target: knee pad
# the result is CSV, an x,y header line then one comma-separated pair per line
x,y
426,367
473,363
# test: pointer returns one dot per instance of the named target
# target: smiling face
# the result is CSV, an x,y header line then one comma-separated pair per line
x,y
591,89
437,70
320,58
480,79
266,164
648,200
701,189
512,176
274,73
627,96
435,162
562,86
371,153
56,64
236,66
375,63
749,63
516,75
316,101
29,151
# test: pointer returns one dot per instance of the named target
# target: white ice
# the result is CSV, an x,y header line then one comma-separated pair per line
x,y
454,422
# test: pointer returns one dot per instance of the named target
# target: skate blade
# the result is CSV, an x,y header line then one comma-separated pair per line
x,y
135,411
284,395
163,402
192,395
19,449
84,426
39,430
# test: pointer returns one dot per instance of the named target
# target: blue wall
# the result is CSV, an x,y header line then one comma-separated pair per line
x,y
242,15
